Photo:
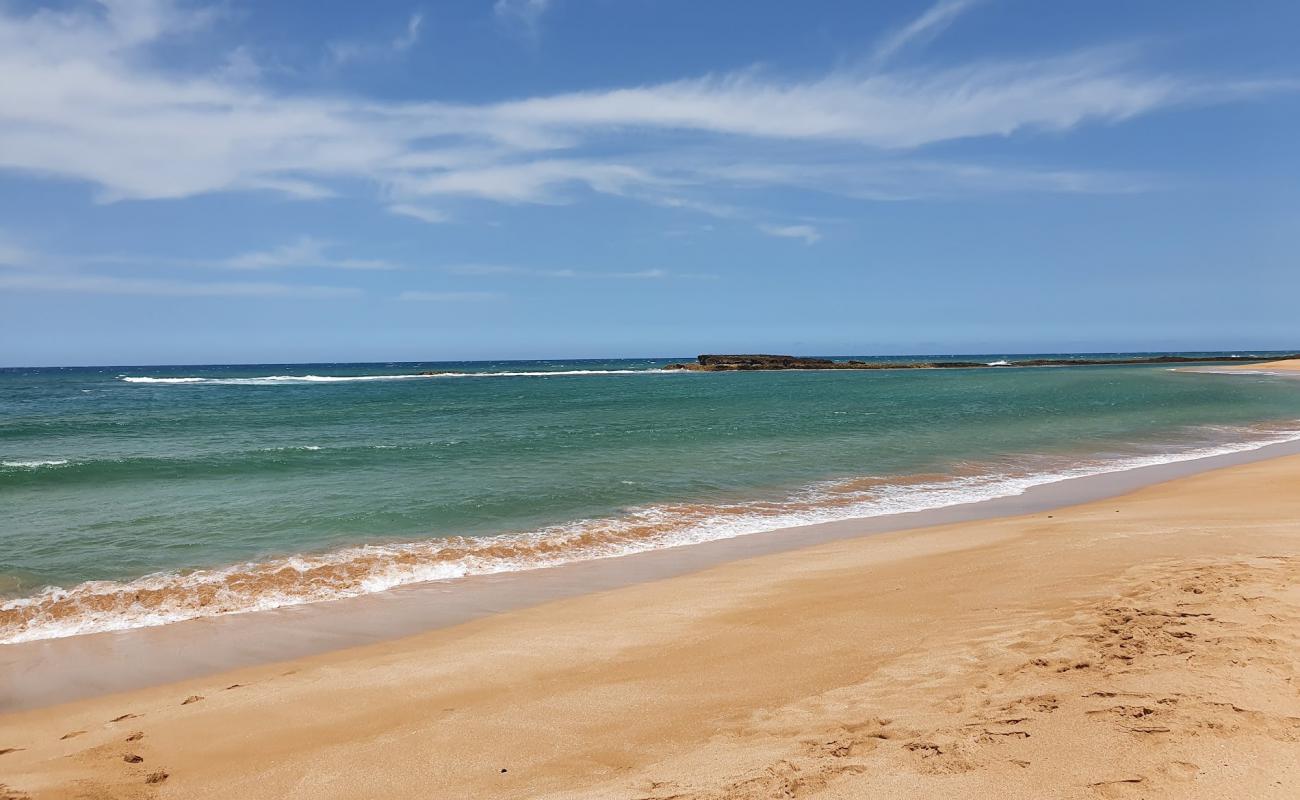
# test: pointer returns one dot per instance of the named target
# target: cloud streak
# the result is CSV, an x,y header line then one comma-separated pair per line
x,y
499,270
807,233
920,30
422,213
305,252
448,297
115,285
525,14
341,53
80,102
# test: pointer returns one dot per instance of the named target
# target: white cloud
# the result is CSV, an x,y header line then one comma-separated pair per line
x,y
12,255
345,52
920,30
240,66
807,233
430,215
449,297
80,101
915,179
480,270
529,182
903,110
105,284
22,269
524,13
409,39
305,252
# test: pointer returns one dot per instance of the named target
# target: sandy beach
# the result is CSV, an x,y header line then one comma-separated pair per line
x,y
1288,365
1144,646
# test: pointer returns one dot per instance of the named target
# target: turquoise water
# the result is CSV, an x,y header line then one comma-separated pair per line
x,y
254,486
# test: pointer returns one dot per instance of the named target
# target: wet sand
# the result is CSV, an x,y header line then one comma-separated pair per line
x,y
1141,646
47,672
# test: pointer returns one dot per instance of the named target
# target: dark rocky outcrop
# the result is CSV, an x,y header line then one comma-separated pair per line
x,y
763,362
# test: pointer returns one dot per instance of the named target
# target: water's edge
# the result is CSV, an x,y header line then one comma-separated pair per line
x,y
47,672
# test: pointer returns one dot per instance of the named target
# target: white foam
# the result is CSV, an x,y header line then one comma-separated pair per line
x,y
278,380
52,462
1239,371
999,363
393,565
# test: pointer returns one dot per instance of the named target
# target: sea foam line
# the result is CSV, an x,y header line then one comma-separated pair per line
x,y
276,380
167,597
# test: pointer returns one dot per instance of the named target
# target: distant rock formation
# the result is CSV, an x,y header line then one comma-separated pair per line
x,y
763,362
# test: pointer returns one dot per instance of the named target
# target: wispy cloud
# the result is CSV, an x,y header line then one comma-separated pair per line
x,y
81,101
107,284
11,254
916,179
305,252
530,181
449,297
920,30
344,52
481,270
807,233
524,14
409,39
424,214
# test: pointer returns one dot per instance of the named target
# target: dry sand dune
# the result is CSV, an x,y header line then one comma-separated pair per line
x,y
1146,646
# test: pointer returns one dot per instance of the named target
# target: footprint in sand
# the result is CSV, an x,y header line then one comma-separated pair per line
x,y
1181,770
135,737
124,717
132,758
1120,787
4,751
72,735
194,698
156,777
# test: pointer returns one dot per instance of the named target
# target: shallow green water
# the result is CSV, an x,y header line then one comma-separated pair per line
x,y
109,479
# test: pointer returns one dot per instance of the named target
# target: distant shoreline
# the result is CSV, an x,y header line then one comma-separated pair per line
x,y
768,363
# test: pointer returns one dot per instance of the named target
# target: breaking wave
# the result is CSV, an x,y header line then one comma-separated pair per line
x,y
167,597
280,380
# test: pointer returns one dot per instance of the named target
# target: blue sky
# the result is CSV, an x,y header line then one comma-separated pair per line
x,y
184,182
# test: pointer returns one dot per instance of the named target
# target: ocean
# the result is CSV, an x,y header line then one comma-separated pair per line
x,y
133,496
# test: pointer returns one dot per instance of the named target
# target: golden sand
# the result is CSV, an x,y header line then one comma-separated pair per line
x,y
1289,365
1147,646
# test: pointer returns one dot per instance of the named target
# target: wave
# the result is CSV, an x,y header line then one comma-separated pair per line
x,y
167,597
279,380
34,464
1277,373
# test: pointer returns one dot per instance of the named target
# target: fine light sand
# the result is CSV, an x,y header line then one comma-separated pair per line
x,y
1288,365
1146,646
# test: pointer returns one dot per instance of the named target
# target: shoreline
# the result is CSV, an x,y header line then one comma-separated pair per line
x,y
779,363
47,672
1141,645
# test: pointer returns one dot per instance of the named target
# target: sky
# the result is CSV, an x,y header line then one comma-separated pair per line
x,y
187,182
